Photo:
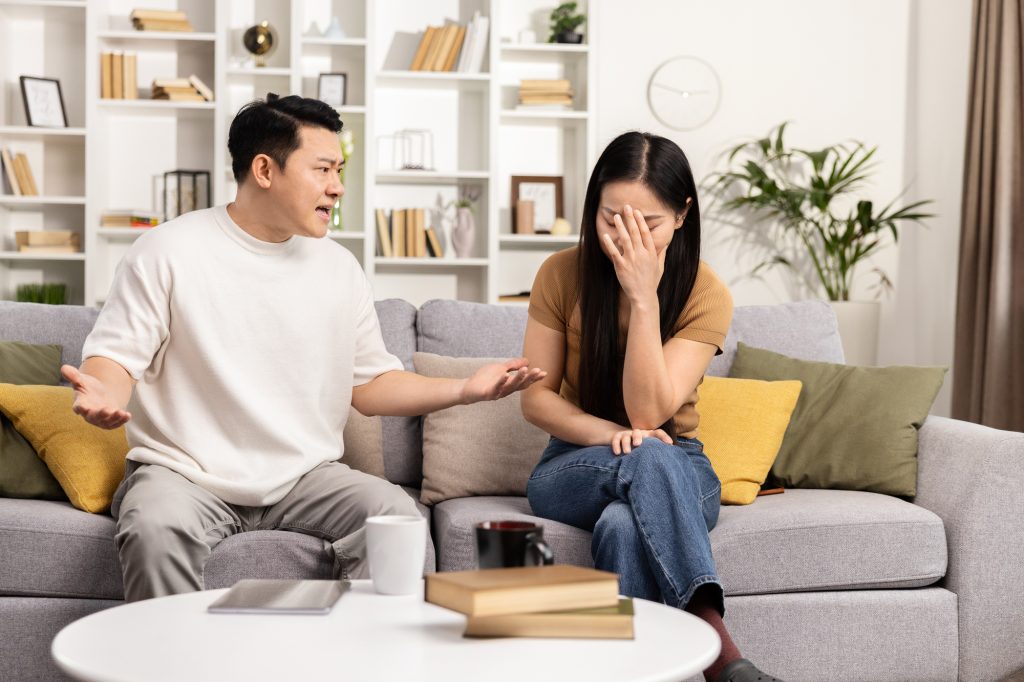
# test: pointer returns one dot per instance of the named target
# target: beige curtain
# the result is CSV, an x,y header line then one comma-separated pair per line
x,y
988,385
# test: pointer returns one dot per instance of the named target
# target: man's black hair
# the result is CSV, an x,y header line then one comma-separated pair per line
x,y
271,127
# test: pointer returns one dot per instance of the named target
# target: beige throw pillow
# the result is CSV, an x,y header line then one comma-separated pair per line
x,y
482,449
364,449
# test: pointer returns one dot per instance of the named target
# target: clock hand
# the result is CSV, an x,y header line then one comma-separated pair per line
x,y
684,93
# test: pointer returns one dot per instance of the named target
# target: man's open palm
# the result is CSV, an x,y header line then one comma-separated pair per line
x,y
500,379
92,401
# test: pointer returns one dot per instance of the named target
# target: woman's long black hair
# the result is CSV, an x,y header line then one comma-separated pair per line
x,y
660,165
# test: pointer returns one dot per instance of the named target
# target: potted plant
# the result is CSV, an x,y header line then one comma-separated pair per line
x,y
564,22
810,219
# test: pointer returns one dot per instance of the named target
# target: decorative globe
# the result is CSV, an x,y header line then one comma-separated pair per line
x,y
260,40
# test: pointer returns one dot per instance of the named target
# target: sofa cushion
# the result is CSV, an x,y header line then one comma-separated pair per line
x,y
400,436
486,448
51,549
86,460
65,325
470,330
803,540
806,330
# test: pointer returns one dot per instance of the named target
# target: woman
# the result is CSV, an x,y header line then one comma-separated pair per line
x,y
625,325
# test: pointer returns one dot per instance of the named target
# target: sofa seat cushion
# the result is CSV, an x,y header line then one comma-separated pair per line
x,y
802,540
51,549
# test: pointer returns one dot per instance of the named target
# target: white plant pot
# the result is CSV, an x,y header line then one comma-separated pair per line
x,y
858,329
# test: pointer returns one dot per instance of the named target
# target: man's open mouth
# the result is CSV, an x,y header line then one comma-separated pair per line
x,y
324,212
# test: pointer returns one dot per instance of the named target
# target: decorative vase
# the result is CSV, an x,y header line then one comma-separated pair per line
x,y
463,232
858,330
334,30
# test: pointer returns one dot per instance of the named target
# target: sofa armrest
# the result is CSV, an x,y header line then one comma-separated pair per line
x,y
973,477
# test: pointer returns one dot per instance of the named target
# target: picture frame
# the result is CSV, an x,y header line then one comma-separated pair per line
x,y
545,191
44,102
332,88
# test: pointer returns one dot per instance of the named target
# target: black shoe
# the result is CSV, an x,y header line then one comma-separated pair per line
x,y
742,670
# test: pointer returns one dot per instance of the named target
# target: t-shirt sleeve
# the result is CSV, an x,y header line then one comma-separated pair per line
x,y
372,357
708,314
135,319
546,296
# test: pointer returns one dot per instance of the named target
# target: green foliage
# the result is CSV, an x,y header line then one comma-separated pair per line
x,y
54,294
565,19
796,192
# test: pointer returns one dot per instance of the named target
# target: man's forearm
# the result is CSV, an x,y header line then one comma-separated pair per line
x,y
115,378
405,394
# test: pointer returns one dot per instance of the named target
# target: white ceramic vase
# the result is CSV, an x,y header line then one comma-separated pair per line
x,y
463,232
858,329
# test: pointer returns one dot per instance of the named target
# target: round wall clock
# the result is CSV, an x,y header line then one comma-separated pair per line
x,y
684,92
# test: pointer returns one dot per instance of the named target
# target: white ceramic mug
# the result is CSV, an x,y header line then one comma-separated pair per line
x,y
396,547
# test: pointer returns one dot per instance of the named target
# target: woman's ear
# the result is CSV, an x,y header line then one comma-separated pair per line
x,y
682,216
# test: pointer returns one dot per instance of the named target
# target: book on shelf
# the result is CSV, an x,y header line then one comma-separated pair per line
x,y
23,171
448,35
160,20
497,591
434,244
47,241
383,234
130,218
179,89
201,87
420,231
475,44
14,187
607,622
398,232
421,50
119,75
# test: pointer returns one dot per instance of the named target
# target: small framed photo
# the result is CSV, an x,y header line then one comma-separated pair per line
x,y
44,102
545,191
332,88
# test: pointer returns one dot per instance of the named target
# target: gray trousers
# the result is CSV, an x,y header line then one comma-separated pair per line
x,y
167,526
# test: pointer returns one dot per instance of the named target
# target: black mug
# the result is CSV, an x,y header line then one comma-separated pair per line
x,y
506,544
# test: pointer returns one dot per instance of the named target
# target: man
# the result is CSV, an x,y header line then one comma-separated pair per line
x,y
241,337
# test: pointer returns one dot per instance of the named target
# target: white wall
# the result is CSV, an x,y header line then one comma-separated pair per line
x,y
890,74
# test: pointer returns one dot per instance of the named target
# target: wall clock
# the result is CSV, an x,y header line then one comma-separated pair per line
x,y
684,92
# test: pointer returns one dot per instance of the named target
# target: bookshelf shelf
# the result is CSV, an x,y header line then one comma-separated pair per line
x,y
551,48
335,42
253,72
18,255
417,177
154,105
346,235
42,200
439,263
432,77
142,37
544,240
543,115
121,232
37,132
355,109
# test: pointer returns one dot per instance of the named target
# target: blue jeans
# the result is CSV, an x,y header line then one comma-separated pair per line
x,y
650,512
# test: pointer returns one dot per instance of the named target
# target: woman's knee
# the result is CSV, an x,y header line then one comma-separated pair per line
x,y
616,521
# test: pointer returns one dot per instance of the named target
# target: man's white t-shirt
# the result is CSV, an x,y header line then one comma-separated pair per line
x,y
245,352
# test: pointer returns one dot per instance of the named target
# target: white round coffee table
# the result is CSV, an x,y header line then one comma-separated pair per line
x,y
365,637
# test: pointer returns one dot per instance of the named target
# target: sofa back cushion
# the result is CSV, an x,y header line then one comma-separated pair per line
x,y
805,330
470,330
64,325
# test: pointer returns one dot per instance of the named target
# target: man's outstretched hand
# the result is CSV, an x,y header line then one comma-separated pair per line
x,y
499,379
92,400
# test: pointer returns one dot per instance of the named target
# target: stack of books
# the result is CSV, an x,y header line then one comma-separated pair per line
x,y
548,94
118,75
48,241
403,233
130,218
453,47
19,174
160,20
537,601
190,89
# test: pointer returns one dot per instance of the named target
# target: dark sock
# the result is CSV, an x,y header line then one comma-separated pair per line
x,y
703,605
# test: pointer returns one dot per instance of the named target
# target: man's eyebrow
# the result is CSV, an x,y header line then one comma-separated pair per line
x,y
332,160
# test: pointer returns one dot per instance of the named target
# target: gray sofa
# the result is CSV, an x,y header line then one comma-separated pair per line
x,y
821,584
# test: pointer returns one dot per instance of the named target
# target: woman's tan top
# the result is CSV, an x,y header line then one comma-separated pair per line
x,y
554,302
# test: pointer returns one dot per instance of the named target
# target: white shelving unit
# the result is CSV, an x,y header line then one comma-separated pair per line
x,y
115,152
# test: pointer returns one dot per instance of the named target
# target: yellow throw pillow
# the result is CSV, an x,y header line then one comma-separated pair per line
x,y
742,422
86,460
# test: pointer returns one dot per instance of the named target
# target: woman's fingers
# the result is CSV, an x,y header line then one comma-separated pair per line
x,y
646,239
632,219
625,239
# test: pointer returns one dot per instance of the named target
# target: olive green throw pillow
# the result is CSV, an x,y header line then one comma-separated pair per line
x,y
22,473
854,428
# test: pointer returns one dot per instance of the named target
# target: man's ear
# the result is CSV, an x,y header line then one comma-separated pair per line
x,y
263,169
